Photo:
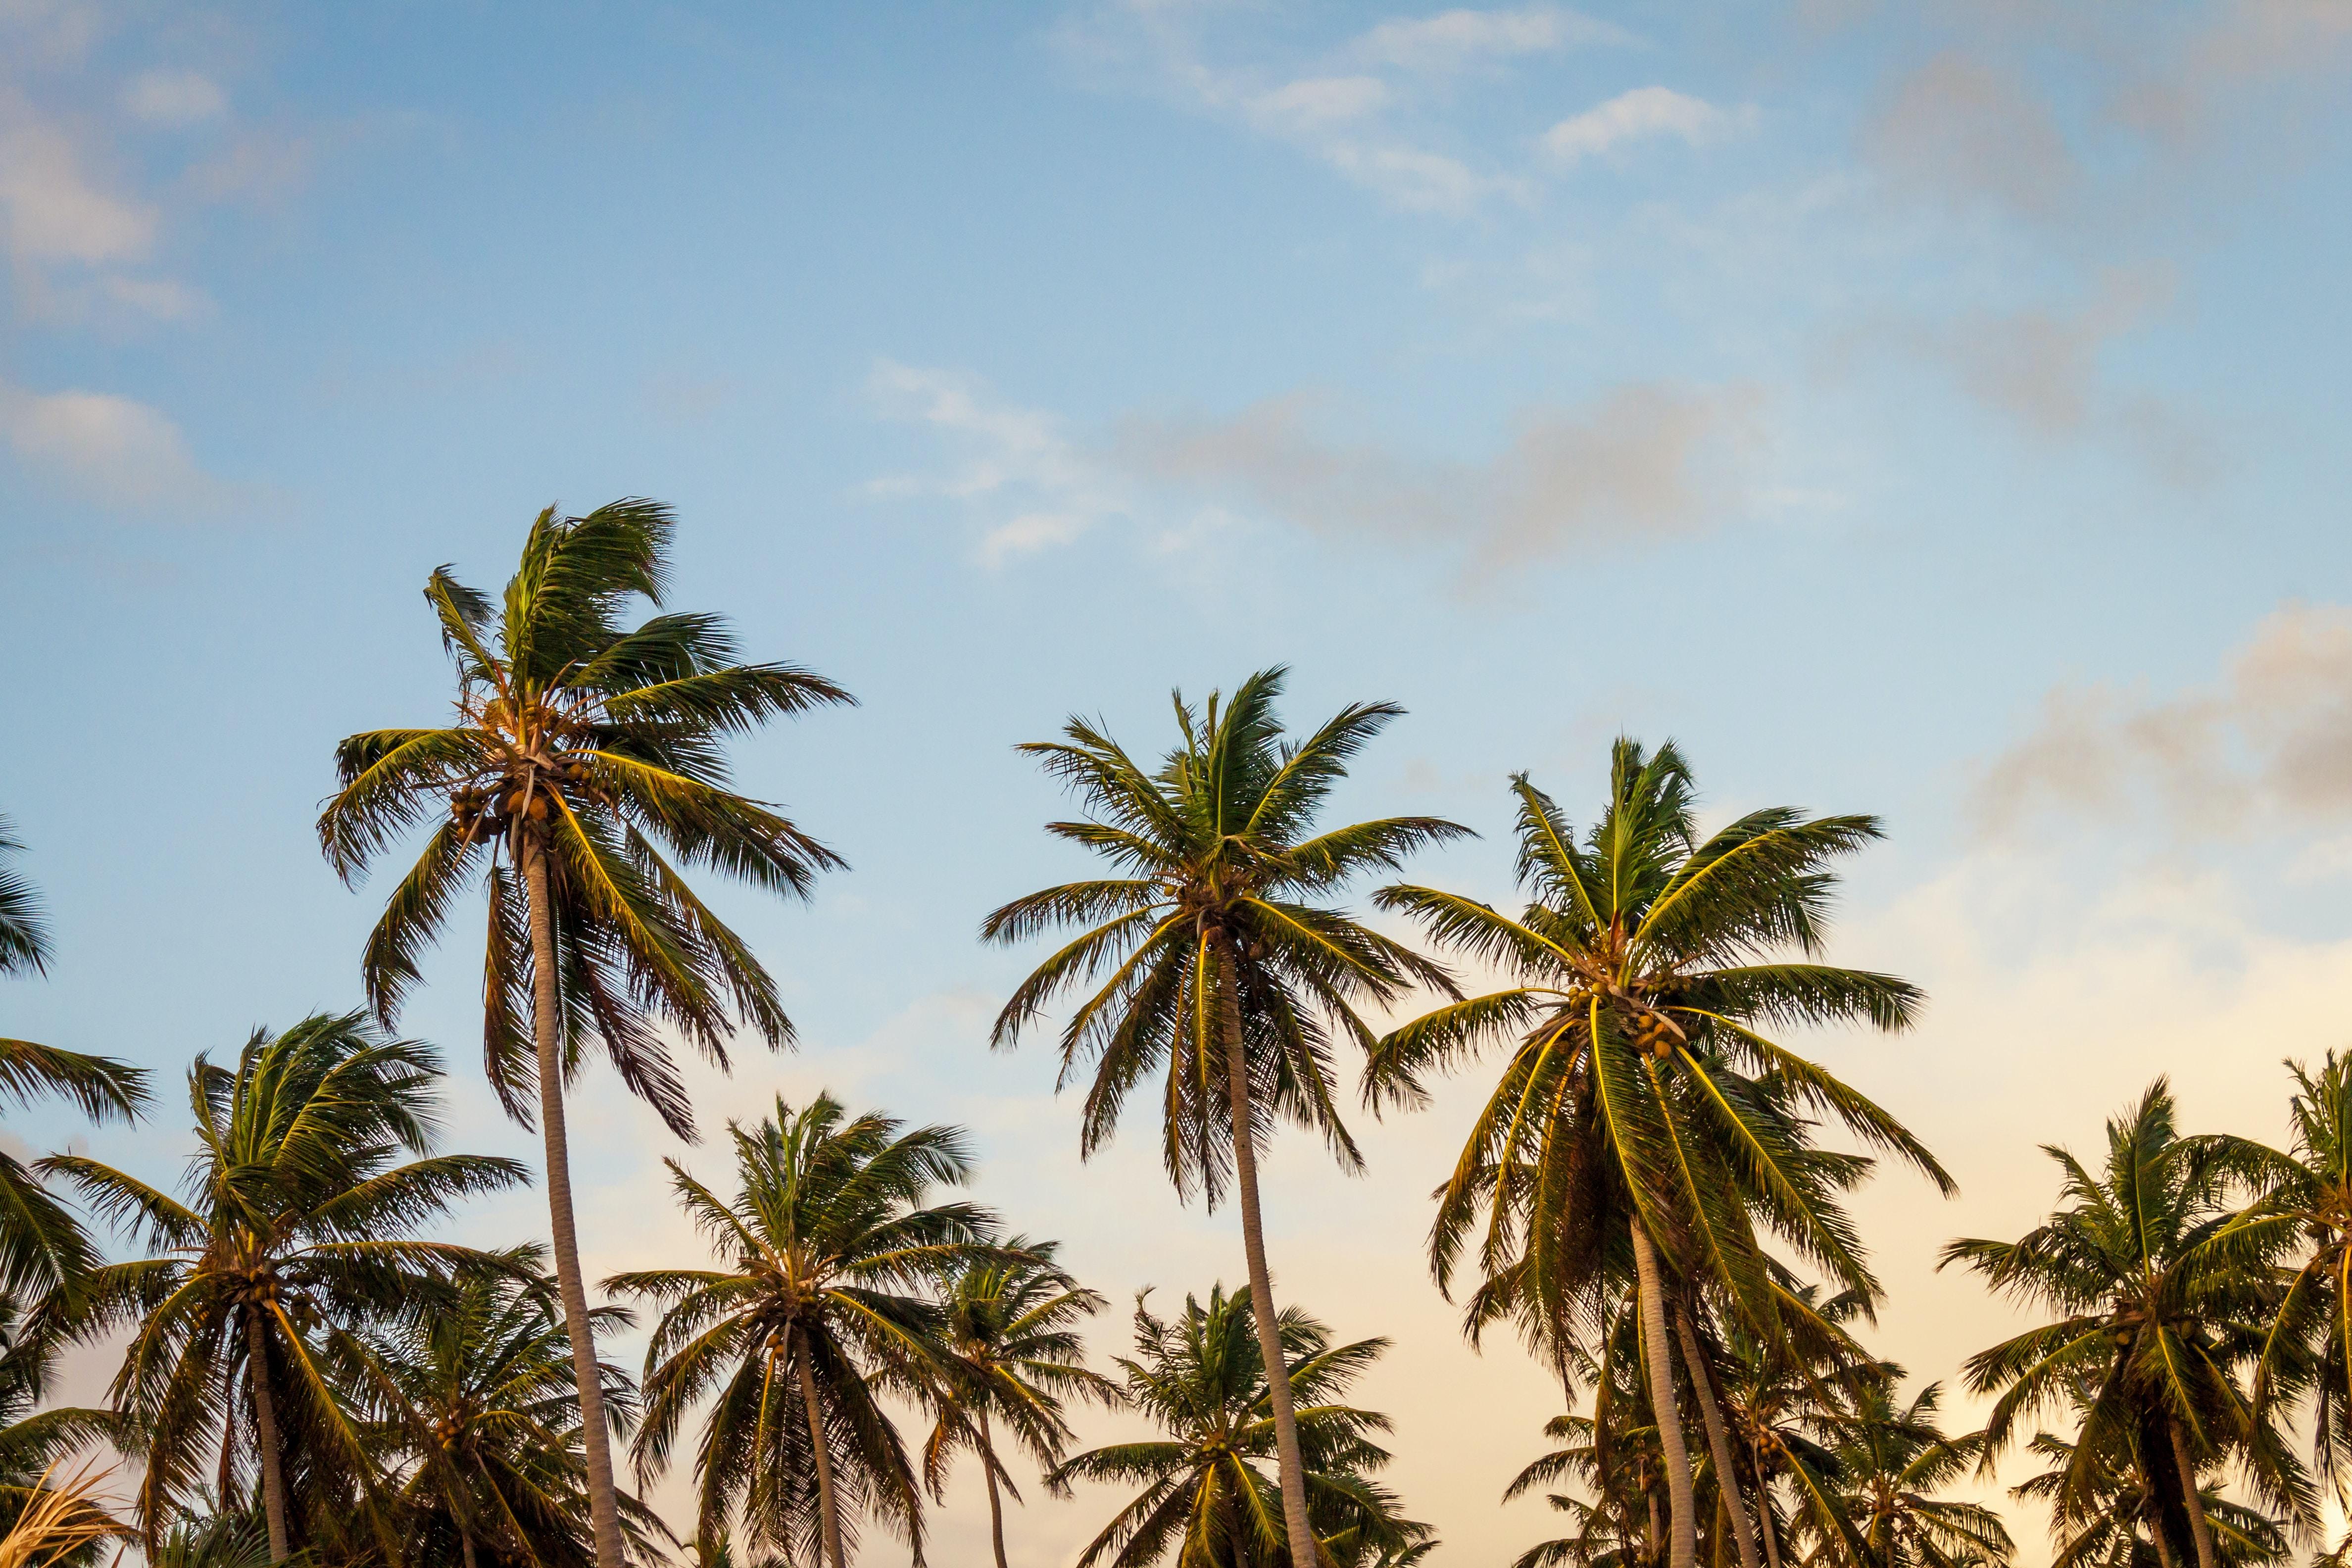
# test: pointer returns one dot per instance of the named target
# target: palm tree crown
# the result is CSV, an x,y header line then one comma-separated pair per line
x,y
602,743
833,1242
1206,1496
298,1227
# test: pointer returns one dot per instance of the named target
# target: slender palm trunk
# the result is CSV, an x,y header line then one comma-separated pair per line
x,y
828,1506
465,1544
264,1417
2155,1518
1719,1441
1291,1463
1764,1525
1682,1509
547,1032
996,1505
2199,1531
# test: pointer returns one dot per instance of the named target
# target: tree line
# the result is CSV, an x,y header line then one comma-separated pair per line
x,y
1650,1198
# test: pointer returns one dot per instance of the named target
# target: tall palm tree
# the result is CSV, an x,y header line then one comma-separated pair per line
x,y
582,749
300,1222
1205,1493
2304,1213
1888,1461
1645,1115
1228,967
479,1411
1014,1357
835,1246
2118,1521
42,1245
34,1440
2149,1311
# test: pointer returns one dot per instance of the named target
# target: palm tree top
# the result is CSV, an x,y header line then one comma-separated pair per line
x,y
604,742
1221,871
24,929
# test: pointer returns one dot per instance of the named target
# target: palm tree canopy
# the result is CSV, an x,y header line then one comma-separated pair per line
x,y
1647,964
24,932
834,1248
1014,1356
2154,1307
478,1410
1206,1494
1888,1462
1222,882
610,740
313,1174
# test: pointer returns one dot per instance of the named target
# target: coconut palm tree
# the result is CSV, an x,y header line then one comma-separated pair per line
x,y
1644,1116
1228,968
584,766
34,1440
1888,1462
1206,1496
42,1244
2120,1523
477,1409
2149,1312
301,1222
2304,1215
1012,1358
833,1247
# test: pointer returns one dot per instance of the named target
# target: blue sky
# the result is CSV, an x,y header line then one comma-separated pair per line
x,y
1936,411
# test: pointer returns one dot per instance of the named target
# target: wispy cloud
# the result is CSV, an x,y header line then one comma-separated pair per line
x,y
1451,40
110,449
1643,115
1640,465
2270,738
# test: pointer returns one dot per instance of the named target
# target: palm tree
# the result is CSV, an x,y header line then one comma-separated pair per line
x,y
41,1244
1228,968
581,750
1014,1356
34,1441
1786,1391
2149,1313
1205,1492
834,1246
479,1411
1887,1462
2119,1523
300,1223
1648,964
2304,1212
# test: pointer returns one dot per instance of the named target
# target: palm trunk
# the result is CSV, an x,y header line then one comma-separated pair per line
x,y
1682,1509
2155,1518
465,1544
828,1506
1719,1441
1764,1525
1291,1462
265,1418
996,1505
2199,1531
547,1032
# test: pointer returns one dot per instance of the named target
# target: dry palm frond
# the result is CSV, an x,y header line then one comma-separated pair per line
x,y
59,1521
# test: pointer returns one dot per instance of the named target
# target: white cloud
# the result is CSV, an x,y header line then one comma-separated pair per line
x,y
1453,39
2268,744
115,450
173,98
51,208
1014,455
1643,114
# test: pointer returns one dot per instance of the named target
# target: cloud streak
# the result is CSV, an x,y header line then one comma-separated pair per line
x,y
118,452
1643,115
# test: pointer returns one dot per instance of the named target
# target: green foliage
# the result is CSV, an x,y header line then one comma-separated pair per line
x,y
1646,964
603,744
1206,1500
836,1250
1221,902
300,1217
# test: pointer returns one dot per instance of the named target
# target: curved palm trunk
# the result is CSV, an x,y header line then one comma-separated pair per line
x,y
2155,1518
2199,1531
995,1504
1764,1525
264,1417
828,1506
1682,1509
1719,1441
547,1035
1291,1461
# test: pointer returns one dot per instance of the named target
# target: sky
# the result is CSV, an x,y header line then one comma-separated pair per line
x,y
1930,410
